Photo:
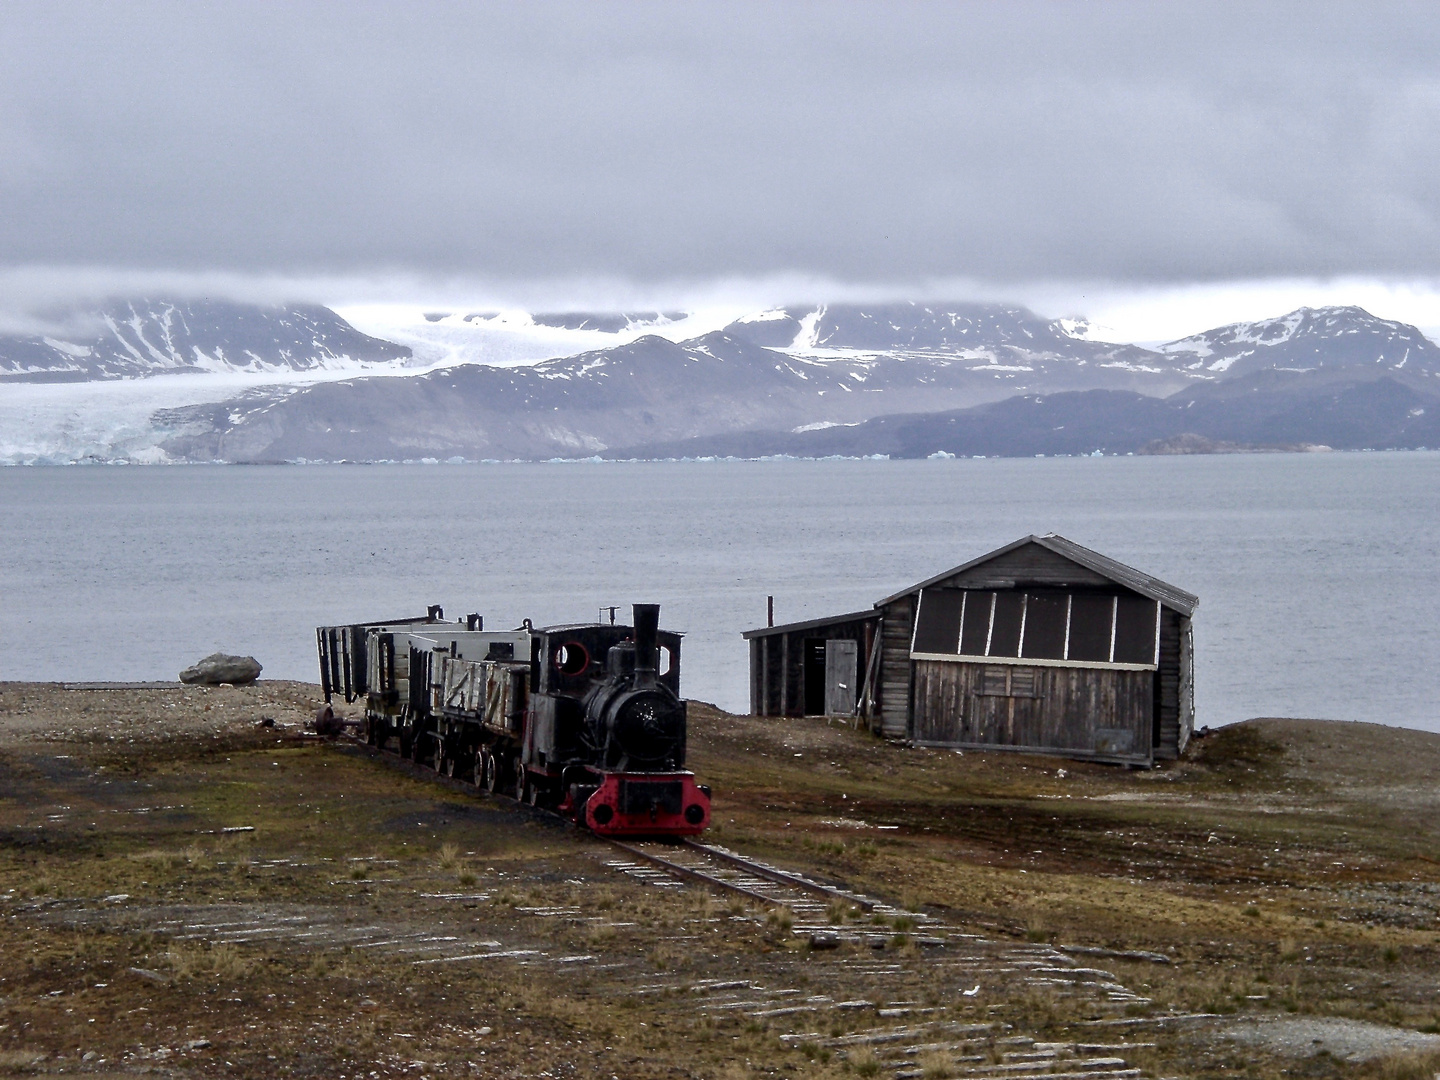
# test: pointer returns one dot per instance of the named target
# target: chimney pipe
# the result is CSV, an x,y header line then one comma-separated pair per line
x,y
769,611
647,624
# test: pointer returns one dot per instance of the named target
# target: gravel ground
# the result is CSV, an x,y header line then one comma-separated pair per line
x,y
1354,1041
49,712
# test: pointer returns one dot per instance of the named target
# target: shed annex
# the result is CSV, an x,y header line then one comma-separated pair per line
x,y
1042,646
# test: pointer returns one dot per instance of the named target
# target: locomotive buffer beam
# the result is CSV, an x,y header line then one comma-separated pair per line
x,y
780,877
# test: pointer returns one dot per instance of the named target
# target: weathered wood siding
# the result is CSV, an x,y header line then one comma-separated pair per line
x,y
897,622
1187,683
1079,712
757,677
1167,688
777,664
1031,565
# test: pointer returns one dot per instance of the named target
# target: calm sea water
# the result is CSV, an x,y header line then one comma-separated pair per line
x,y
1318,574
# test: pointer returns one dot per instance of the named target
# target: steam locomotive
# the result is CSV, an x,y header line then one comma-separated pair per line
x,y
584,719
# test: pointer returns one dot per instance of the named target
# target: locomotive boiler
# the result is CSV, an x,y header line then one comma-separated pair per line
x,y
585,719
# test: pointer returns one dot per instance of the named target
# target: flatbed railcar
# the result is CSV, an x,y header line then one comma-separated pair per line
x,y
585,719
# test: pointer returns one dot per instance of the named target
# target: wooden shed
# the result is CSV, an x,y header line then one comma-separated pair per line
x,y
1042,646
814,668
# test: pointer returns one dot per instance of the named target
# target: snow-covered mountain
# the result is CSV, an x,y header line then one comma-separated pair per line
x,y
655,393
649,386
133,338
1309,339
978,329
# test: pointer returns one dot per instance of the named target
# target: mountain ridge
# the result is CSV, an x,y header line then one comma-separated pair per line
x,y
651,395
840,366
138,338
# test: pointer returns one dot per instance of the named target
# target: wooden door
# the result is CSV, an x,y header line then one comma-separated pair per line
x,y
842,669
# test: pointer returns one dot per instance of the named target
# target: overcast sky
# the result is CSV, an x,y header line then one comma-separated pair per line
x,y
887,148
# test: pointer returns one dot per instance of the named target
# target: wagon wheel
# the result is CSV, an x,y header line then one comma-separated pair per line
x,y
521,786
477,768
492,772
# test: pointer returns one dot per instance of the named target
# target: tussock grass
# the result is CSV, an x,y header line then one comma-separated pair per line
x,y
936,1064
193,961
863,1061
1407,1066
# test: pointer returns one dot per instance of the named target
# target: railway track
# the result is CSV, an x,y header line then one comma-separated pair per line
x,y
866,1008
691,861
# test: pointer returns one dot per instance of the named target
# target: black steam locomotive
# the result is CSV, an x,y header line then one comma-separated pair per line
x,y
585,719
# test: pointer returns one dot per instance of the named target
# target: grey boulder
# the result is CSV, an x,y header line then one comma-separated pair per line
x,y
222,668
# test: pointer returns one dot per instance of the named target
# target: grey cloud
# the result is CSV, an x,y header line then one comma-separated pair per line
x,y
875,143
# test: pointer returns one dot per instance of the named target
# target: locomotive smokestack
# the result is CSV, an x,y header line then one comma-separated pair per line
x,y
647,623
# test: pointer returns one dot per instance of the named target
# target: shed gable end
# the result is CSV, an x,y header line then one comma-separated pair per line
x,y
1029,564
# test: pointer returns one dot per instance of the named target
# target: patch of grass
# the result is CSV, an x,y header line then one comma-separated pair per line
x,y
936,1064
1406,1066
839,911
863,1061
1240,748
192,961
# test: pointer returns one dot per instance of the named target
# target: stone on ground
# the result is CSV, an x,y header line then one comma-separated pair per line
x,y
220,668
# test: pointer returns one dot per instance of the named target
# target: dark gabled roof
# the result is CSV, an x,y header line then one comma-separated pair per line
x,y
1171,596
810,624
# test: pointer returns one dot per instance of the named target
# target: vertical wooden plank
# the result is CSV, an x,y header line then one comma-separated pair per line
x,y
767,652
756,664
1187,685
784,674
